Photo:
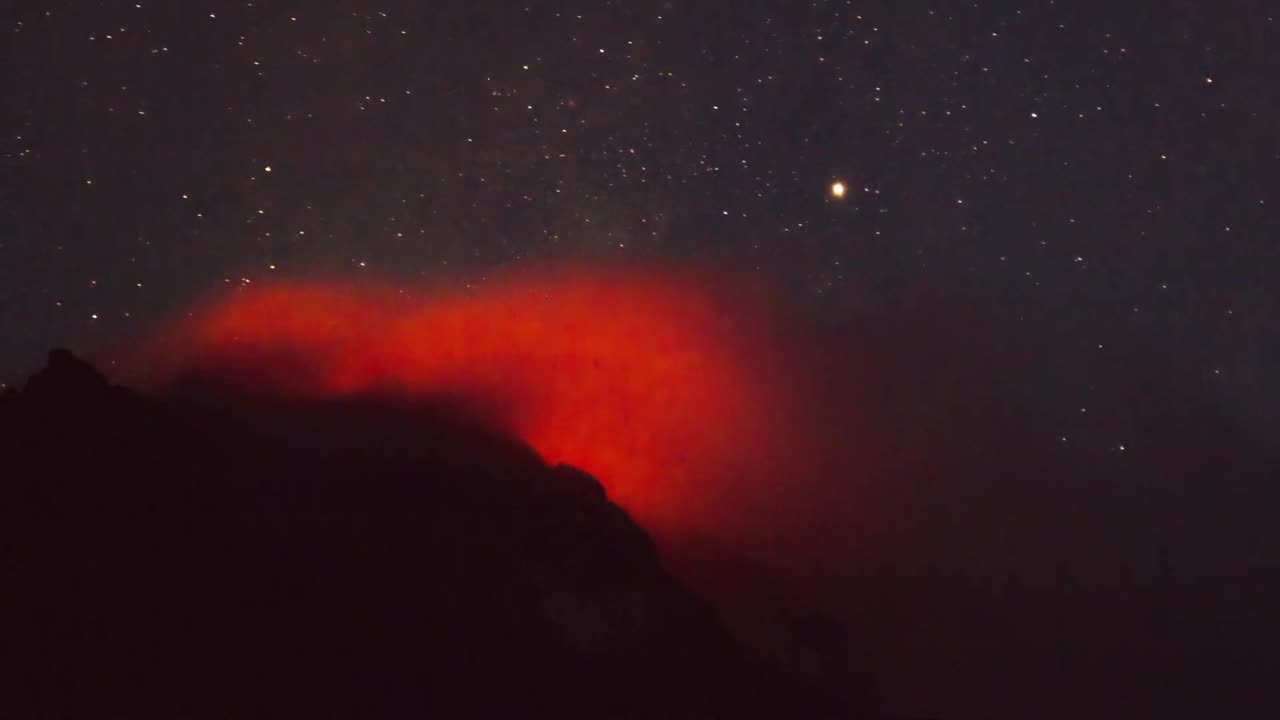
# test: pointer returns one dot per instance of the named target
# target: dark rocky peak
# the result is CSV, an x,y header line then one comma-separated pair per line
x,y
380,557
65,375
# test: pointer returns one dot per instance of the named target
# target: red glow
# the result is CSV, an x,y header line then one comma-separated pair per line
x,y
659,387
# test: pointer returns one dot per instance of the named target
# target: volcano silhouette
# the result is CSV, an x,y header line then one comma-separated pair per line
x,y
210,553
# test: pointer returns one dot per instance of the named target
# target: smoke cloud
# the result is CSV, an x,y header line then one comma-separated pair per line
x,y
686,398
894,471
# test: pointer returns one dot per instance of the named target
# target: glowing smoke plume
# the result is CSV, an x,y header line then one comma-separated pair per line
x,y
665,389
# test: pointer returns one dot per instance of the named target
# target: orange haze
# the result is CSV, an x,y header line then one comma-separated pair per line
x,y
669,390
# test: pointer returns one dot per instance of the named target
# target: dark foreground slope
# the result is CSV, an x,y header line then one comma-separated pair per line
x,y
208,556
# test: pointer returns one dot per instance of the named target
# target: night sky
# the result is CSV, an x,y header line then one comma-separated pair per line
x,y
1105,174
1040,241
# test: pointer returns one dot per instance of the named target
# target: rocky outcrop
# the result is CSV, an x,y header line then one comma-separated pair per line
x,y
210,554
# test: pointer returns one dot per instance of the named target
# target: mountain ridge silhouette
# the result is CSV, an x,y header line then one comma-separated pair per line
x,y
209,551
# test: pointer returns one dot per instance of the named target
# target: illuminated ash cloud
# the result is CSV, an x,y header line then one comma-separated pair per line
x,y
670,389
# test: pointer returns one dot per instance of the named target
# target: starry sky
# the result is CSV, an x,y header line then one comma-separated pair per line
x,y
1103,173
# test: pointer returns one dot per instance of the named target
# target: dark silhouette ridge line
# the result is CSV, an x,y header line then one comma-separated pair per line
x,y
206,552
